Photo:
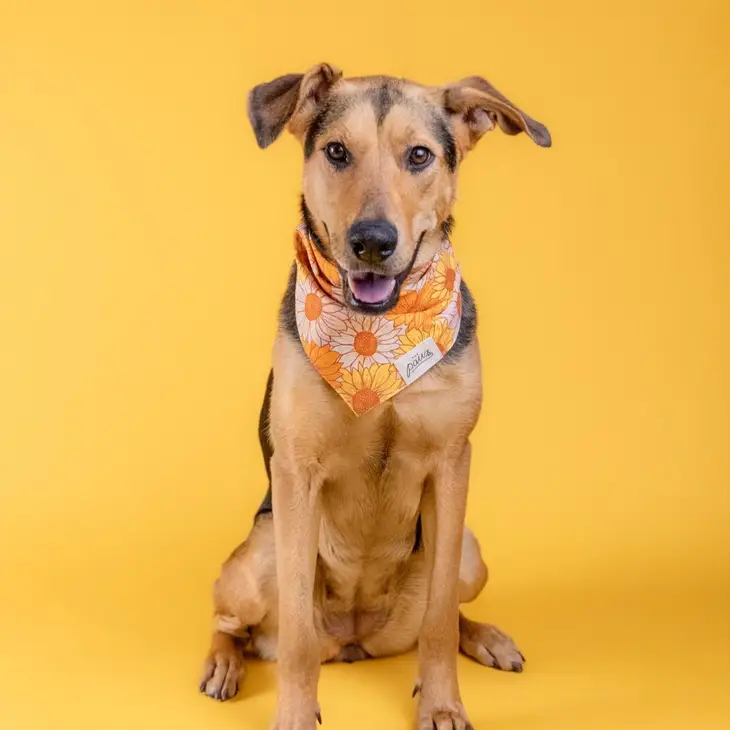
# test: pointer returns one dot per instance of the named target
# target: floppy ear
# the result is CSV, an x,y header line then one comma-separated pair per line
x,y
476,106
290,99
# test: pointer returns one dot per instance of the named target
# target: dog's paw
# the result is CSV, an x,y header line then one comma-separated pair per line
x,y
223,674
449,716
489,646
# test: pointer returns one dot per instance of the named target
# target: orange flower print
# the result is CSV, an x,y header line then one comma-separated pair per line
x,y
366,388
326,361
416,308
366,341
311,261
329,270
444,278
356,354
442,334
324,270
452,313
317,316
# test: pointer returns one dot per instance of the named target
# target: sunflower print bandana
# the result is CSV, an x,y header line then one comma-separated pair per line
x,y
367,359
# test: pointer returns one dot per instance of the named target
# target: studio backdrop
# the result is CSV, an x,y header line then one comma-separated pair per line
x,y
145,243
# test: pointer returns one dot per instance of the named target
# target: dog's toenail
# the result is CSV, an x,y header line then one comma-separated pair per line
x,y
416,690
319,717
516,667
522,656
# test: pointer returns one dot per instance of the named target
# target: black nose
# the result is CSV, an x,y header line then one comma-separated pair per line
x,y
373,241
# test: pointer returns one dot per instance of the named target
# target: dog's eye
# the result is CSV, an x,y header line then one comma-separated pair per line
x,y
419,157
337,154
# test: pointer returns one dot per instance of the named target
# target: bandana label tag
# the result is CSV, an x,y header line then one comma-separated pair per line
x,y
418,360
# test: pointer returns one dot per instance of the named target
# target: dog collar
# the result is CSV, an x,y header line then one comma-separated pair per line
x,y
366,358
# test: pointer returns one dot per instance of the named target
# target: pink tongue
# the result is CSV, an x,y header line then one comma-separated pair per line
x,y
371,288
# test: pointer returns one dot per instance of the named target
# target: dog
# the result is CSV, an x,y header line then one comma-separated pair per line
x,y
360,547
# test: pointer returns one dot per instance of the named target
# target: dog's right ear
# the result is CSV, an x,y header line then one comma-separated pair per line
x,y
291,100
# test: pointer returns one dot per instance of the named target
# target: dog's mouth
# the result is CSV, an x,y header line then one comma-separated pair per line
x,y
370,289
374,293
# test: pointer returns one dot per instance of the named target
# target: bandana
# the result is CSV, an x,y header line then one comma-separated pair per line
x,y
369,358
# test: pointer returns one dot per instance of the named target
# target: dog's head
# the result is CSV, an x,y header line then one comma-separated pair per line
x,y
381,158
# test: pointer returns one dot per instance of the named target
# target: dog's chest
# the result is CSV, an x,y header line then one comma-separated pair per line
x,y
370,469
371,498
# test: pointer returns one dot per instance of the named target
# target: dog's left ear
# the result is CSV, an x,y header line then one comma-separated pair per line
x,y
476,107
290,100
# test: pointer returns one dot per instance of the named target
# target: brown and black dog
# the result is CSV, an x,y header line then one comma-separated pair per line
x,y
360,548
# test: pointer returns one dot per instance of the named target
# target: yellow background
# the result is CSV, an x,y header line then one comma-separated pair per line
x,y
144,247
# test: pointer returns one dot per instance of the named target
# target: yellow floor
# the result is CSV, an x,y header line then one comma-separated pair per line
x,y
144,245
126,653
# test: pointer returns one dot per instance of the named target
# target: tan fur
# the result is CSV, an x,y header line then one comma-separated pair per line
x,y
333,575
377,186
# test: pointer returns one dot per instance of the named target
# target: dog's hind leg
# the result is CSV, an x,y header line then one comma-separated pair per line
x,y
483,642
473,573
242,596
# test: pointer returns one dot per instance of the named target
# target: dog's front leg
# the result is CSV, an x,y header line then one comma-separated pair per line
x,y
443,513
296,525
